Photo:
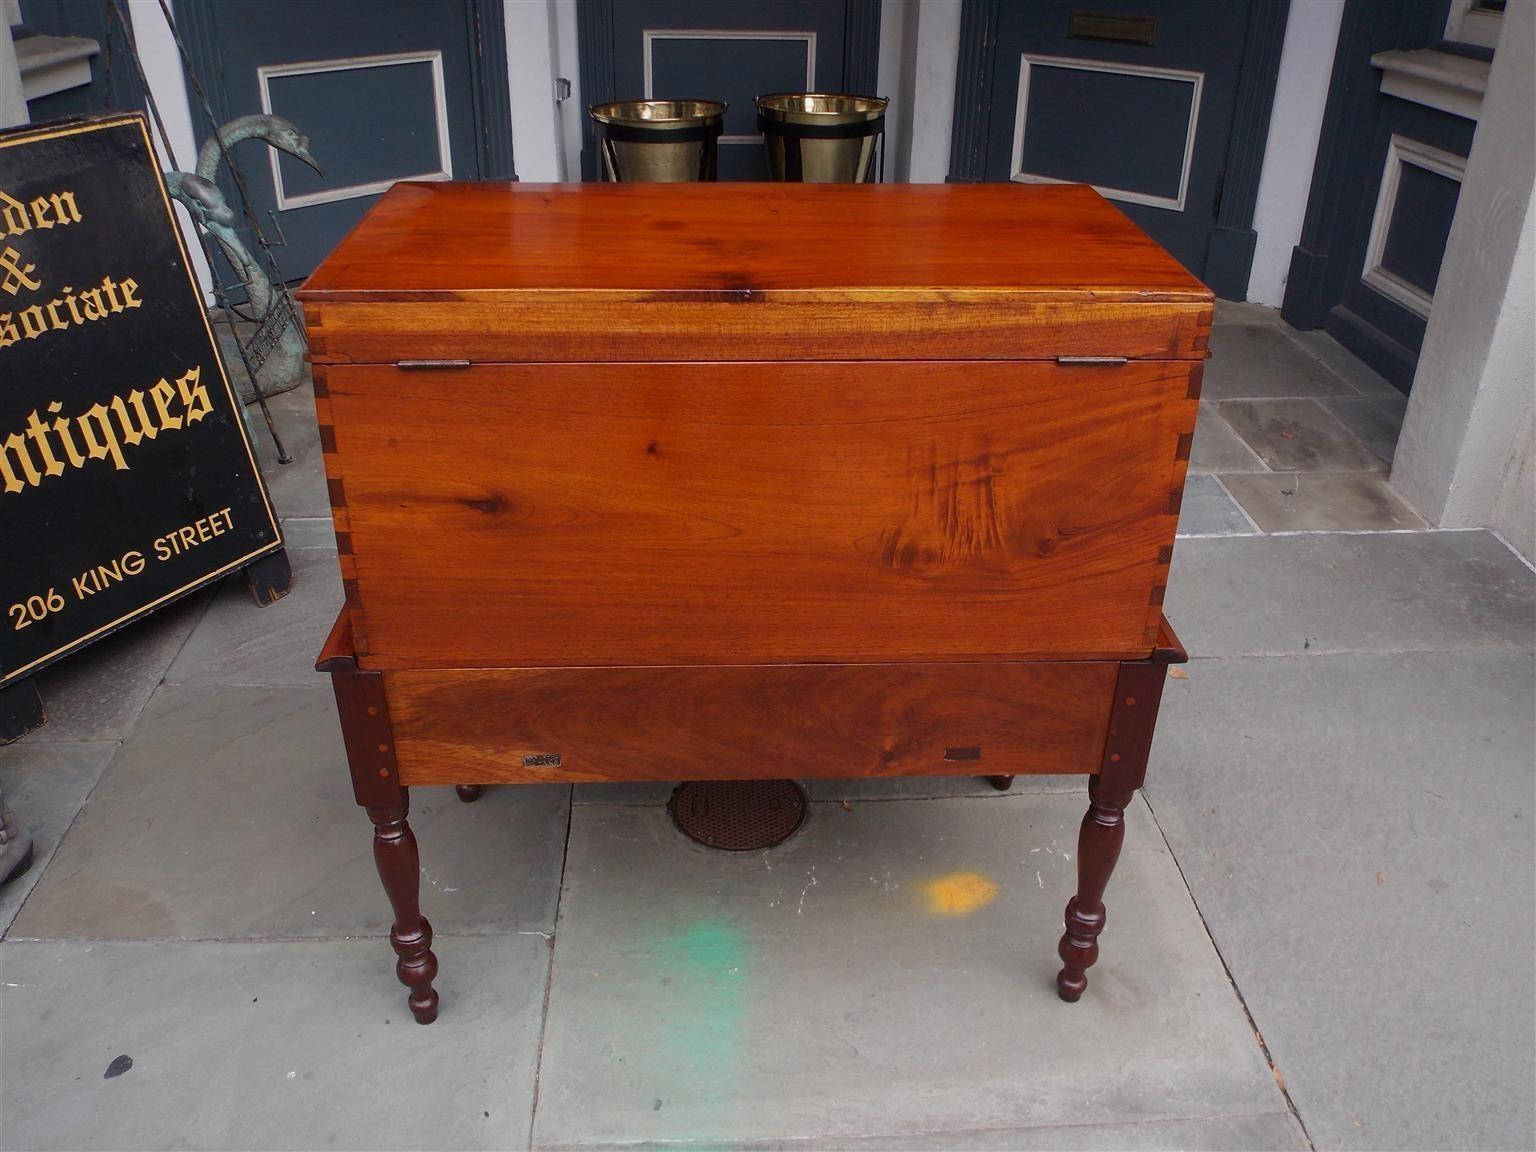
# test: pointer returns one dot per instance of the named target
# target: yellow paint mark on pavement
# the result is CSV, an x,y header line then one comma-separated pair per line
x,y
958,893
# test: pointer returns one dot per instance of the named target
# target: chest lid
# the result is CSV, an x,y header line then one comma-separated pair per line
x,y
520,272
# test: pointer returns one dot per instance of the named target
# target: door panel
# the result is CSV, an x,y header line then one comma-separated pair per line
x,y
383,88
1133,128
729,50
1408,180
1384,190
338,107
1140,107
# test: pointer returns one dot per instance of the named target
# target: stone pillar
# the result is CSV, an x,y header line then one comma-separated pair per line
x,y
1464,458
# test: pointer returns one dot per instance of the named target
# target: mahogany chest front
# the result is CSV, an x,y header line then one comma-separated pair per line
x,y
594,443
721,481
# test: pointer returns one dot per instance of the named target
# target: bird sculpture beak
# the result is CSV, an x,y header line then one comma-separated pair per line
x,y
304,155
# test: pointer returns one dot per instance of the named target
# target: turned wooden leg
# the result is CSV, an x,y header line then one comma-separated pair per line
x,y
1098,847
469,793
1001,783
394,851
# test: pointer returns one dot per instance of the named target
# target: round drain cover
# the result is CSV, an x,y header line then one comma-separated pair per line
x,y
738,815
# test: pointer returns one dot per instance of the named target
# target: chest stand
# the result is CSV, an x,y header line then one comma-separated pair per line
x,y
369,740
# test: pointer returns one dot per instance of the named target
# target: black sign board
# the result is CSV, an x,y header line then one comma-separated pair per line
x,y
126,477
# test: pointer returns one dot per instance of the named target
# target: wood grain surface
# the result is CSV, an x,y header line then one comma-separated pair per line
x,y
593,325
485,726
490,272
603,514
866,241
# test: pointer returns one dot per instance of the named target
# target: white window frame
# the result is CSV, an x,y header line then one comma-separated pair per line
x,y
1021,116
1400,151
444,171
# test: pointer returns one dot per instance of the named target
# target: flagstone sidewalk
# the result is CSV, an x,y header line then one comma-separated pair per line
x,y
1320,931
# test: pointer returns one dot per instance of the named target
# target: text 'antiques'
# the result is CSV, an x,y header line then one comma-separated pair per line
x,y
126,478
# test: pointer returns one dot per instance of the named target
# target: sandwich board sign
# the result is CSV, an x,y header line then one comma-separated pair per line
x,y
126,475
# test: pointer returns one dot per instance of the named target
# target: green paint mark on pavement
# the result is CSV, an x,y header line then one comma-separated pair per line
x,y
702,973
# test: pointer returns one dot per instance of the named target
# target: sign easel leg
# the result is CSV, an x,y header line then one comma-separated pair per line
x,y
269,577
21,710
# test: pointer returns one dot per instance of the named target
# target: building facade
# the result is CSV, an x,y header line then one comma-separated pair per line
x,y
1366,166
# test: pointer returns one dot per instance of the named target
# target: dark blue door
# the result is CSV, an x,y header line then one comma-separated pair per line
x,y
386,90
1135,98
728,50
1385,187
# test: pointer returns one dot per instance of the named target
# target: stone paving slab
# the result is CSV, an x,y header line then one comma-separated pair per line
x,y
862,791
98,692
297,489
888,972
1377,421
229,814
1254,361
310,532
1298,436
1387,592
1271,1132
1357,831
46,784
1209,510
297,1045
1321,502
1217,448
239,642
1361,376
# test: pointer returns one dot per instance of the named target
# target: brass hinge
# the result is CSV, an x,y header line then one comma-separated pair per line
x,y
1101,360
423,365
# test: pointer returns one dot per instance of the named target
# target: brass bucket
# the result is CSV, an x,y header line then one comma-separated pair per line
x,y
663,141
818,138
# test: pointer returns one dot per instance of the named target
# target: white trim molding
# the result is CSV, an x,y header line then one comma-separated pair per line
x,y
52,64
444,171
1436,79
1196,80
1469,22
1401,151
651,35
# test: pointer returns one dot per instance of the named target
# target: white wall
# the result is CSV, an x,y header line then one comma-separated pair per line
x,y
891,81
1514,513
538,145
933,54
1465,454
167,83
572,110
13,106
1301,93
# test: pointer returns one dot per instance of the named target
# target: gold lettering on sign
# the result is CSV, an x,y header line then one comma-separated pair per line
x,y
17,219
16,274
101,432
69,309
